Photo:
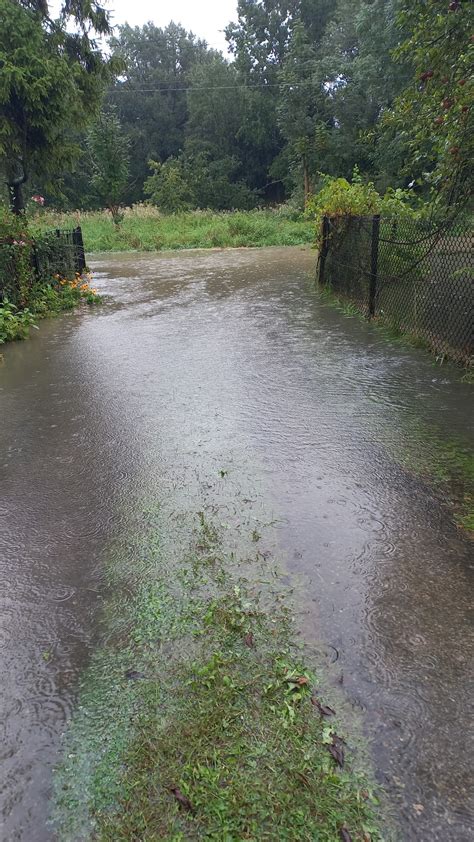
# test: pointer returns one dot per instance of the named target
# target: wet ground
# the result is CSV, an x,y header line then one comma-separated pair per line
x,y
232,356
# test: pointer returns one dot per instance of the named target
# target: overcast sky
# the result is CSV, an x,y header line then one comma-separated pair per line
x,y
206,18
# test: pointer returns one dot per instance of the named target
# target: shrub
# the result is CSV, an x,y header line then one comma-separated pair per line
x,y
168,187
14,323
15,258
339,197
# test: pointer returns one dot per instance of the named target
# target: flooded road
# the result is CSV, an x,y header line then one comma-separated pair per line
x,y
232,356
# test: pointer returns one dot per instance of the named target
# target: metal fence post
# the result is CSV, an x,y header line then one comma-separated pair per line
x,y
374,260
324,248
79,254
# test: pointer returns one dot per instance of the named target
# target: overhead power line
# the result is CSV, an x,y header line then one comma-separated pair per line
x,y
212,88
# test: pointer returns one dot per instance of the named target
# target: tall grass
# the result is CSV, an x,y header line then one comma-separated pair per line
x,y
144,228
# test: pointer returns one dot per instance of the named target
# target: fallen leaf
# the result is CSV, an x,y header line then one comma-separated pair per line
x,y
134,675
302,681
336,750
345,835
182,800
418,808
305,780
324,710
338,754
249,640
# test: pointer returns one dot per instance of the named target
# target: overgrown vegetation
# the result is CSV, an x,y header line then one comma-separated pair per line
x,y
200,718
27,295
144,228
339,197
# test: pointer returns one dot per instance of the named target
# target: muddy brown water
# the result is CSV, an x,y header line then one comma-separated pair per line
x,y
229,353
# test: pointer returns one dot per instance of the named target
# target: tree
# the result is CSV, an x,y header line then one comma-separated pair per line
x,y
433,116
168,187
302,104
51,79
362,81
109,153
150,96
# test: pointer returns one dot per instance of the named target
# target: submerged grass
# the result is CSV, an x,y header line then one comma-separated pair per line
x,y
447,465
396,333
199,719
144,228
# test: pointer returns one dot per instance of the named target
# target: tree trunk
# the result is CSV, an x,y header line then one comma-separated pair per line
x,y
15,192
306,179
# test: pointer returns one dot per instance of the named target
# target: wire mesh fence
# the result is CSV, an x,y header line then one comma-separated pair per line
x,y
412,276
58,252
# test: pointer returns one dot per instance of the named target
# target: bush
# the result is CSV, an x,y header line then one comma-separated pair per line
x,y
339,197
197,181
27,293
14,323
15,258
168,187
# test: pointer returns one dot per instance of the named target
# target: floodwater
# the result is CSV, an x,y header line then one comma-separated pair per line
x,y
225,355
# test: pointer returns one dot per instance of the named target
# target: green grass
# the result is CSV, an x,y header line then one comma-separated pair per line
x,y
145,229
199,718
45,301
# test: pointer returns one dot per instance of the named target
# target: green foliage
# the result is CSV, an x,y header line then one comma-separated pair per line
x,y
51,80
44,299
433,117
167,187
15,258
339,197
25,296
315,85
108,148
14,323
197,181
302,107
144,228
160,61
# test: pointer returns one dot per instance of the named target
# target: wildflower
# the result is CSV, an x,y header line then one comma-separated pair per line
x,y
84,287
38,199
94,291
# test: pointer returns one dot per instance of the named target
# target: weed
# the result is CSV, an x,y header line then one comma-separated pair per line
x,y
144,228
14,323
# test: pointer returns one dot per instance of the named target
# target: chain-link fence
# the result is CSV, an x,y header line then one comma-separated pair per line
x,y
412,276
59,252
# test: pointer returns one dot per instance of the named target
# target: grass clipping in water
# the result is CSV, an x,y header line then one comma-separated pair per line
x,y
198,720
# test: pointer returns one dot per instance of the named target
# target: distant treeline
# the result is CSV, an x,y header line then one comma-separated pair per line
x,y
309,88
